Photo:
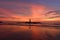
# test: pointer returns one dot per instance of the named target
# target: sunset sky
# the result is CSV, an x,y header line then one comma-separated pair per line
x,y
42,10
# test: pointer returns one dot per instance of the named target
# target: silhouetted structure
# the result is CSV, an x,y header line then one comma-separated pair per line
x,y
29,23
1,22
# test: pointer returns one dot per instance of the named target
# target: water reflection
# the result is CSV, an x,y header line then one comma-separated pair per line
x,y
14,32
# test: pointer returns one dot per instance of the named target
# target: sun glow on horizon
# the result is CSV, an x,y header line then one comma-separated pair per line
x,y
37,14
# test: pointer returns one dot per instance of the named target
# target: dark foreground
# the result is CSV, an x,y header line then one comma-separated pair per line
x,y
13,32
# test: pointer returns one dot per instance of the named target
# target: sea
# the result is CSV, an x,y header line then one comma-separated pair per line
x,y
29,32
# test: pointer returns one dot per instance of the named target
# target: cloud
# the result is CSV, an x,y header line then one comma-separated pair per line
x,y
38,11
16,7
10,16
25,10
53,14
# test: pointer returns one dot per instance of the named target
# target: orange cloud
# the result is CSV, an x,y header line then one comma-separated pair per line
x,y
38,12
10,16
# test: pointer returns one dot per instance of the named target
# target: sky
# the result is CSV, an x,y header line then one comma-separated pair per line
x,y
34,9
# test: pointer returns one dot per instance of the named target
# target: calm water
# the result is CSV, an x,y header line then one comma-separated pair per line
x,y
13,32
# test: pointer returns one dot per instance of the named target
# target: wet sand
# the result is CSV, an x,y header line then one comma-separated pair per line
x,y
14,32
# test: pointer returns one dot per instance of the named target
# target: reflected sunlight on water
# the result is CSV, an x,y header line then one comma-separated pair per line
x,y
14,32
